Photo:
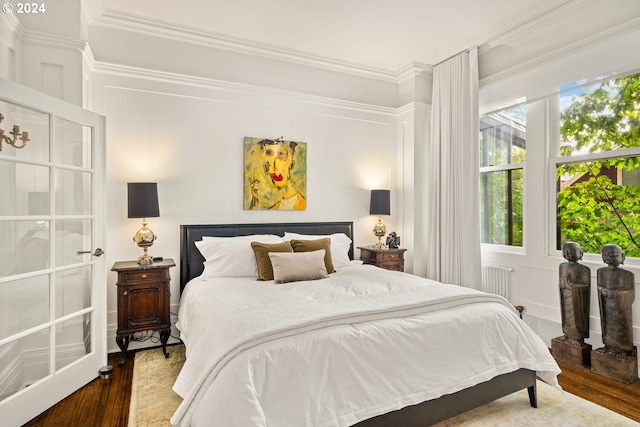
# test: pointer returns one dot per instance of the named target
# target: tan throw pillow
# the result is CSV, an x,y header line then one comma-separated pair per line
x,y
315,245
261,250
293,267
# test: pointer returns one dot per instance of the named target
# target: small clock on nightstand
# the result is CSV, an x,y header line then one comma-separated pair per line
x,y
390,259
143,301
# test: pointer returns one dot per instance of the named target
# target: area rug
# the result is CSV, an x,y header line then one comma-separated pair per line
x,y
153,402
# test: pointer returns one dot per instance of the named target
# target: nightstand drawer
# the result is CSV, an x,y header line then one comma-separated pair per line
x,y
389,257
394,266
132,277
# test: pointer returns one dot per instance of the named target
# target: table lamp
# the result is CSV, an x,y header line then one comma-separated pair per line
x,y
143,203
380,205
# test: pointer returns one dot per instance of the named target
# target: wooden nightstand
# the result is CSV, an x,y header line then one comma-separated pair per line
x,y
390,259
143,301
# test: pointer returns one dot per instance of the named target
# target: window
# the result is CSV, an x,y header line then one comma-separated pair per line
x,y
597,170
503,137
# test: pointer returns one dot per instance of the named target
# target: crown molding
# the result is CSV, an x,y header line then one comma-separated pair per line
x,y
413,106
532,22
37,38
135,23
413,70
92,9
631,25
240,88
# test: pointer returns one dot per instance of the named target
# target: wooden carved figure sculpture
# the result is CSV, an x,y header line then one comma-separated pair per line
x,y
616,294
575,290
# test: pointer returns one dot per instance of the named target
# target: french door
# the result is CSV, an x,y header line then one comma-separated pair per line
x,y
52,279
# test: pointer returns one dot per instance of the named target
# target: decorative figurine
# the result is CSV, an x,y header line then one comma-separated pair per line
x,y
575,291
616,293
393,240
618,359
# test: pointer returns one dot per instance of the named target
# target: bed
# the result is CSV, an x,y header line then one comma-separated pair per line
x,y
362,347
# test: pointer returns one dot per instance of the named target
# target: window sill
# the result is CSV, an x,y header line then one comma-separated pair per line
x,y
504,249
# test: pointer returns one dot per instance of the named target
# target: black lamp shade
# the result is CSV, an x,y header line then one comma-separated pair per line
x,y
143,199
380,202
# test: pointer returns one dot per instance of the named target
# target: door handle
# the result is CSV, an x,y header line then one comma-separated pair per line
x,y
97,252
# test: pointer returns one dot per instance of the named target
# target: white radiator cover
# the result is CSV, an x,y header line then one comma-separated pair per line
x,y
497,280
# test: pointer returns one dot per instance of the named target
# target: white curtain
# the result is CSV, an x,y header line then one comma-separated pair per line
x,y
453,225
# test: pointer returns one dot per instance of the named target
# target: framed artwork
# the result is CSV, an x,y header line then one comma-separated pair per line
x,y
275,174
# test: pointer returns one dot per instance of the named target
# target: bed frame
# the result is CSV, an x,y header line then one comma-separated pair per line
x,y
422,414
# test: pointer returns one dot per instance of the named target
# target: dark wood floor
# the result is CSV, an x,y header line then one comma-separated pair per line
x,y
621,398
101,403
105,403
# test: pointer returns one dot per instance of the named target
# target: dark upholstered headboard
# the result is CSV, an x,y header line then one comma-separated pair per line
x,y
191,261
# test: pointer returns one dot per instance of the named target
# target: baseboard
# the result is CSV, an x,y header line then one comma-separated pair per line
x,y
549,329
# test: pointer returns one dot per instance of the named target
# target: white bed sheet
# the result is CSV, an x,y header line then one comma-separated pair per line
x,y
345,373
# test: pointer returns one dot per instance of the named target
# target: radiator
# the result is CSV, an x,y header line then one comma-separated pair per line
x,y
497,280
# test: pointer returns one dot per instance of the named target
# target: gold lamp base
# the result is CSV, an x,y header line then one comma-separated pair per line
x,y
145,259
144,238
379,230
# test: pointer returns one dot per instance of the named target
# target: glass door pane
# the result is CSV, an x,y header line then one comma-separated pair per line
x,y
34,123
36,344
24,304
73,291
73,340
24,248
73,147
72,236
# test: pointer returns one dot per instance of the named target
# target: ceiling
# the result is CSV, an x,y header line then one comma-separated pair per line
x,y
379,34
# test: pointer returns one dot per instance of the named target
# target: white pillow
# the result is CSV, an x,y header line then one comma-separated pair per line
x,y
340,245
231,256
297,266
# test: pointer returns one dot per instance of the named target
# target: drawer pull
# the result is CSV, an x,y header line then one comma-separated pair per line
x,y
125,293
144,276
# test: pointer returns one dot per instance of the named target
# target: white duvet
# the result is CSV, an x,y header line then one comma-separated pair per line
x,y
336,351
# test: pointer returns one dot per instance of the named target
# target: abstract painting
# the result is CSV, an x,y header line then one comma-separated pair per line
x,y
275,174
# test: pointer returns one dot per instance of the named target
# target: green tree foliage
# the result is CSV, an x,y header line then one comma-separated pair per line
x,y
497,216
594,209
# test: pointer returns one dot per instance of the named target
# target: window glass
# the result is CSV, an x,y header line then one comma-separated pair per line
x,y
596,118
502,160
503,137
598,192
501,212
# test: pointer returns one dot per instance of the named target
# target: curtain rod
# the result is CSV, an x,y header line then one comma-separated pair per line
x,y
510,30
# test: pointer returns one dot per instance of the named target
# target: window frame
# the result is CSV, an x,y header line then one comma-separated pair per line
x,y
555,160
508,167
